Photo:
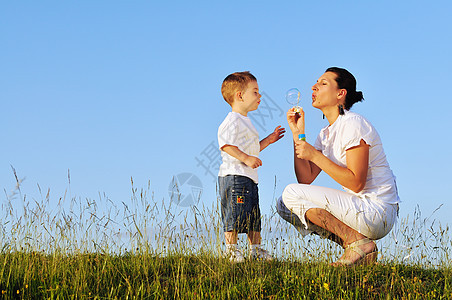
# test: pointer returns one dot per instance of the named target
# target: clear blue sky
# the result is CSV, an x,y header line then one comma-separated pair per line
x,y
111,90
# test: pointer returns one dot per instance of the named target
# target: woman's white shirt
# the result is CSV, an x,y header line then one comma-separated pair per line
x,y
347,132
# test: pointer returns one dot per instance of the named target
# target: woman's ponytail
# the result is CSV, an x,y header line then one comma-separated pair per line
x,y
345,80
352,98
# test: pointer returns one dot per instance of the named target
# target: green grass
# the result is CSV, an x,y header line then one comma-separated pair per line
x,y
204,276
73,248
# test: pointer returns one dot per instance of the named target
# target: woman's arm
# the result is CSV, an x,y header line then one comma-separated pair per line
x,y
352,177
305,170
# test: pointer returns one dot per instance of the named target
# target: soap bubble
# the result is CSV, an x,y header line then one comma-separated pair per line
x,y
293,98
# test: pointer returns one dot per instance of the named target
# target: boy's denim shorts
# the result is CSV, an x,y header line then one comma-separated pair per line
x,y
239,204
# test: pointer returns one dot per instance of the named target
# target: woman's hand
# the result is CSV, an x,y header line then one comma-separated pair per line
x,y
304,150
296,121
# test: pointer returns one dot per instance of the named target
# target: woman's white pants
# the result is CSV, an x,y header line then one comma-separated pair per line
x,y
370,217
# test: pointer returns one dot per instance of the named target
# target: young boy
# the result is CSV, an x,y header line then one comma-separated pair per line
x,y
237,178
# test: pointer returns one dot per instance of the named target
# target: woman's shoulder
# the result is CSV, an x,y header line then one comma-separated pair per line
x,y
350,115
355,126
355,119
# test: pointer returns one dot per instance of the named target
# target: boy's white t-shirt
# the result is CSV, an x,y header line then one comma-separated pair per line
x,y
237,130
347,132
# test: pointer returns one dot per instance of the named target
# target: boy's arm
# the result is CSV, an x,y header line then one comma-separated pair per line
x,y
249,160
273,137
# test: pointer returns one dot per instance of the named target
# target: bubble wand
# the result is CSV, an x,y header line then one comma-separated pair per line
x,y
293,97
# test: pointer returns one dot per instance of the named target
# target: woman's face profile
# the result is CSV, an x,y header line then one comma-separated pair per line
x,y
325,91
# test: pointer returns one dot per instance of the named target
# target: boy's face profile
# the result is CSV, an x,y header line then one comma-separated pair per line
x,y
249,99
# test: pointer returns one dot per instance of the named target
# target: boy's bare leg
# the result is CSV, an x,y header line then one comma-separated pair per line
x,y
231,237
254,237
232,252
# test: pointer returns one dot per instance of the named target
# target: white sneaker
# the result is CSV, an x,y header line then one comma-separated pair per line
x,y
261,254
235,256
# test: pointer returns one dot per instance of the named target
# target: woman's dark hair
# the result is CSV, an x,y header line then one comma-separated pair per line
x,y
345,80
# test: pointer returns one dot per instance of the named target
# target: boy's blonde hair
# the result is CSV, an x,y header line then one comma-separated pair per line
x,y
234,82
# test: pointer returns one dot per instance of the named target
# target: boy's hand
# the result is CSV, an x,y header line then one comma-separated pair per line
x,y
276,135
252,162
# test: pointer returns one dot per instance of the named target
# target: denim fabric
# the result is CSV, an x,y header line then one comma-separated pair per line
x,y
239,204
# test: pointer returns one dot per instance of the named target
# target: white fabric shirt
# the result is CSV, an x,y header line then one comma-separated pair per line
x,y
237,130
347,132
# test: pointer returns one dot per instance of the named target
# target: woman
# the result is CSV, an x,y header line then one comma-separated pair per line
x,y
350,151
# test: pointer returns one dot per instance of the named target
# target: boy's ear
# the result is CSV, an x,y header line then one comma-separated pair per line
x,y
238,96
